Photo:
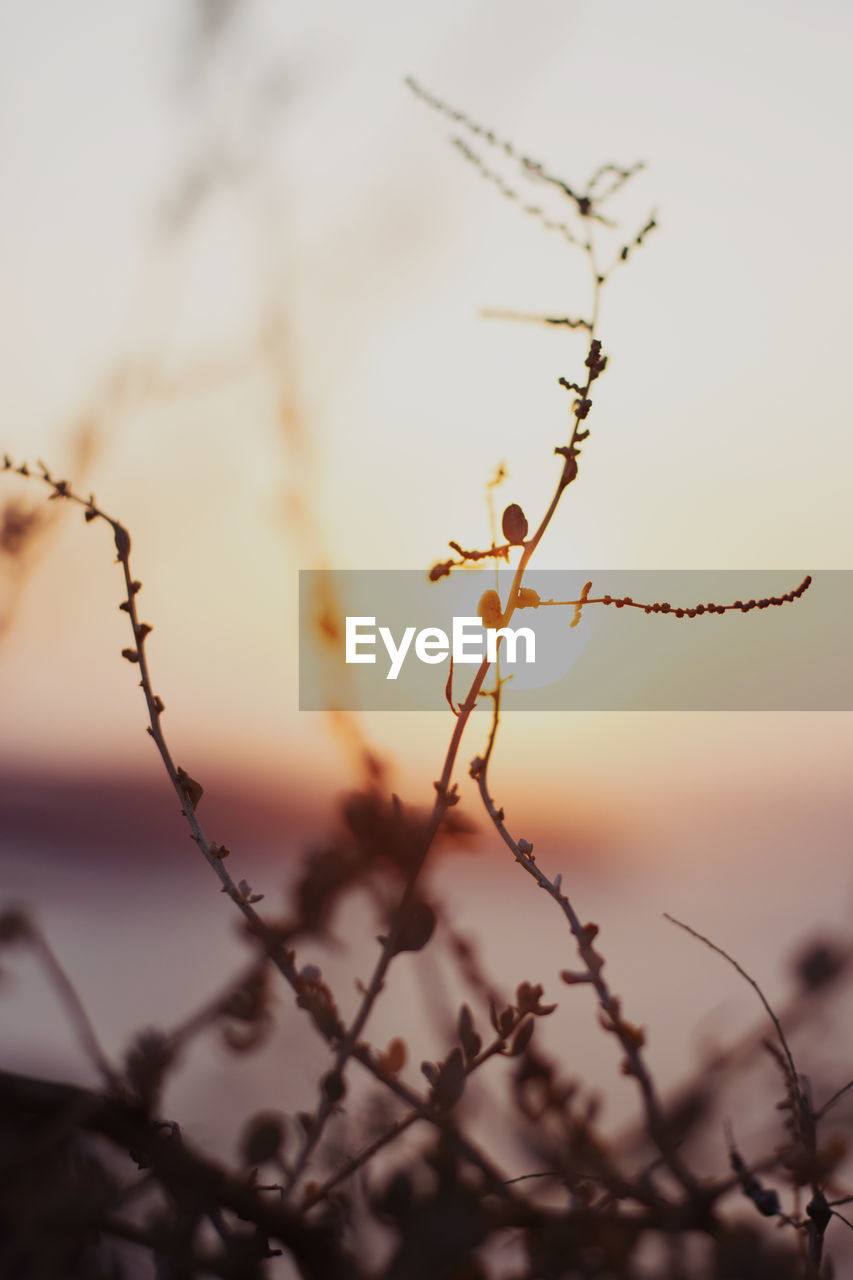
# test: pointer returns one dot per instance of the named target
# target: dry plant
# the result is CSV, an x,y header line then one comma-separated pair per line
x,y
82,1169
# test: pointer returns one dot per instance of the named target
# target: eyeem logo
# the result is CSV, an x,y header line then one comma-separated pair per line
x,y
433,645
384,639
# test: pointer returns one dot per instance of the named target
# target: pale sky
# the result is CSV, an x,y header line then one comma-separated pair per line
x,y
328,198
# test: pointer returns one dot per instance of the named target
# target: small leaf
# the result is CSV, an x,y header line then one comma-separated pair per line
x,y
450,1083
503,1020
527,996
192,790
430,1070
394,1058
468,1038
245,891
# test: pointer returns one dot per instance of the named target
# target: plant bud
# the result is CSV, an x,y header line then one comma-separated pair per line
x,y
262,1139
514,525
490,610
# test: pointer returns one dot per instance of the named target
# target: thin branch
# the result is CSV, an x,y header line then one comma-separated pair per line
x,y
586,202
510,193
72,1004
630,1037
189,791
565,322
836,1097
700,937
360,1159
676,611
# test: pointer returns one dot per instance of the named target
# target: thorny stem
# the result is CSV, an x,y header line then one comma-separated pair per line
x,y
628,1036
189,792
479,770
179,779
444,799
569,465
679,611
635,1065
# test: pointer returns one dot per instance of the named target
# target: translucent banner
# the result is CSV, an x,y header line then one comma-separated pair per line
x,y
596,640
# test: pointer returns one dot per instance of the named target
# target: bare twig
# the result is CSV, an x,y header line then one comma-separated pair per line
x,y
17,926
345,1042
700,937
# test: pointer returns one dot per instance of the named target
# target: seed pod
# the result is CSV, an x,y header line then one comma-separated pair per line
x,y
490,610
514,525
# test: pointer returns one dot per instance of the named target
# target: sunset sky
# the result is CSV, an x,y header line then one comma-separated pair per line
x,y
272,239
243,275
